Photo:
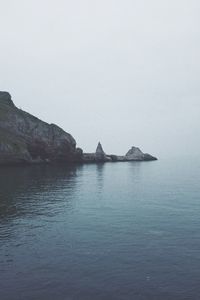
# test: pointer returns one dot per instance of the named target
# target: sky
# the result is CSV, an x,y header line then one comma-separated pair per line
x,y
123,72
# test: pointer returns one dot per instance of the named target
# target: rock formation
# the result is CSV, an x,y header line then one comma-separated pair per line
x,y
135,154
98,156
26,139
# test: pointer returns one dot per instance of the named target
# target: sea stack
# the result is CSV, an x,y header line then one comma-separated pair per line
x,y
100,154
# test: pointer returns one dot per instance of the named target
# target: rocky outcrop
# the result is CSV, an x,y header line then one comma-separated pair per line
x,y
116,158
26,139
134,154
98,156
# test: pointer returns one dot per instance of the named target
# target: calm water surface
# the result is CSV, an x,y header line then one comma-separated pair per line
x,y
114,231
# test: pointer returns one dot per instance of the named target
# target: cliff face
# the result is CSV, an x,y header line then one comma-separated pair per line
x,y
25,138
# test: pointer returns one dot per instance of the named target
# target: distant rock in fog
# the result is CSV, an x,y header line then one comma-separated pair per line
x,y
98,156
134,154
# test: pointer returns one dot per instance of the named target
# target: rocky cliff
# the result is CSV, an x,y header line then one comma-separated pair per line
x,y
26,139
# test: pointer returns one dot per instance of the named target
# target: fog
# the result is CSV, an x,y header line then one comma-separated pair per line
x,y
120,72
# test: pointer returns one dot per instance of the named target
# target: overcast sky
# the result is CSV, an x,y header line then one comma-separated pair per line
x,y
124,72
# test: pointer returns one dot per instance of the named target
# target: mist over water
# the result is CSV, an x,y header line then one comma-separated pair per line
x,y
107,231
125,73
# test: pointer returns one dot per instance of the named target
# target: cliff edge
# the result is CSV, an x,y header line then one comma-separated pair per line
x,y
26,139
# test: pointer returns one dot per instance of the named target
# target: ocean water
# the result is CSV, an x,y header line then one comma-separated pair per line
x,y
118,231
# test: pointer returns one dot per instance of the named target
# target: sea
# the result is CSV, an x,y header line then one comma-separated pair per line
x,y
113,231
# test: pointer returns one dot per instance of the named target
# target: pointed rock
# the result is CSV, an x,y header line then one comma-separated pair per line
x,y
99,149
100,154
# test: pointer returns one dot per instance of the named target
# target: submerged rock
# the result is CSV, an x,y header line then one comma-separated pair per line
x,y
25,138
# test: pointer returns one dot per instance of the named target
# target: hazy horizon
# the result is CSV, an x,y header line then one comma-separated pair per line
x,y
120,72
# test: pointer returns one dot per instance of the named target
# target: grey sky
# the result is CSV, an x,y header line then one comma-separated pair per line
x,y
123,72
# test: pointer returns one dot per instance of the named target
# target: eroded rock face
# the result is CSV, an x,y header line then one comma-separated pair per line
x,y
135,154
25,138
